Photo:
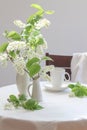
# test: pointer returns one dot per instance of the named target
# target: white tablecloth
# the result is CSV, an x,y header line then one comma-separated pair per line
x,y
60,112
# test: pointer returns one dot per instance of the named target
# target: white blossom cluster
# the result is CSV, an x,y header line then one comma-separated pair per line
x,y
48,68
31,54
39,53
45,44
3,59
9,106
19,23
44,71
16,45
42,23
20,65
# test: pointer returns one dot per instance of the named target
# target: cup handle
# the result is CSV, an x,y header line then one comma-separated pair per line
x,y
29,86
66,73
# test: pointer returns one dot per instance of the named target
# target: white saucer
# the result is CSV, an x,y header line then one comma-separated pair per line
x,y
49,87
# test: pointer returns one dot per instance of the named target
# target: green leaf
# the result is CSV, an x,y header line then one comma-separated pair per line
x,y
32,104
26,32
39,107
78,89
46,58
14,35
71,86
35,32
3,47
40,13
36,6
34,18
13,99
40,41
32,61
49,12
12,54
34,69
22,97
30,18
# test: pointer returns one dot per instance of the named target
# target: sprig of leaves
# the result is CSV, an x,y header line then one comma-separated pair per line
x,y
22,101
31,104
78,89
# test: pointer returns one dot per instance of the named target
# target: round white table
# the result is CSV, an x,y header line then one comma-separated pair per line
x,y
59,110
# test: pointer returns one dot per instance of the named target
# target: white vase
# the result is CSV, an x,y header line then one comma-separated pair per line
x,y
22,82
36,90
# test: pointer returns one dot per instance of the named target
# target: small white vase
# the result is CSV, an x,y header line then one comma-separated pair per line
x,y
36,90
22,82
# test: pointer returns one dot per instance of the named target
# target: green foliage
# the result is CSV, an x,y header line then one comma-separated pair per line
x,y
32,61
35,40
22,98
22,101
78,89
14,35
3,47
12,54
34,69
36,6
39,41
14,100
47,58
32,105
33,66
49,12
35,17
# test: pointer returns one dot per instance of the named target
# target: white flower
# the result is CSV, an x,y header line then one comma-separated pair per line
x,y
45,76
3,59
45,44
48,68
42,23
19,65
71,94
19,23
44,71
31,54
9,106
40,50
16,45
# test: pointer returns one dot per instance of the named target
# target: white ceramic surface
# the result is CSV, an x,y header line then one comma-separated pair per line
x,y
49,87
36,92
22,82
58,77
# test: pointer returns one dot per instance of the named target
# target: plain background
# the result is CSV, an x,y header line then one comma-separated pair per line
x,y
66,35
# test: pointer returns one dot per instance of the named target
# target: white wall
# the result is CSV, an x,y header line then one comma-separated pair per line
x,y
67,33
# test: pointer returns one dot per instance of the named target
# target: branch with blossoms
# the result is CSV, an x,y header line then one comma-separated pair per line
x,y
26,50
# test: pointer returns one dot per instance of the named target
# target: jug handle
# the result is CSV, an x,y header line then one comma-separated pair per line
x,y
29,86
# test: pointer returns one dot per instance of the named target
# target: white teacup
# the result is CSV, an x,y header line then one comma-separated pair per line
x,y
58,77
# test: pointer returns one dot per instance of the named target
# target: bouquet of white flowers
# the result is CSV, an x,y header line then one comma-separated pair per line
x,y
26,49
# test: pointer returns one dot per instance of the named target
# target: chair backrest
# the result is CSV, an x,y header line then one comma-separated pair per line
x,y
60,61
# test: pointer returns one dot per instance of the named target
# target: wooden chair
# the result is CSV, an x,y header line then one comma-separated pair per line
x,y
60,61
